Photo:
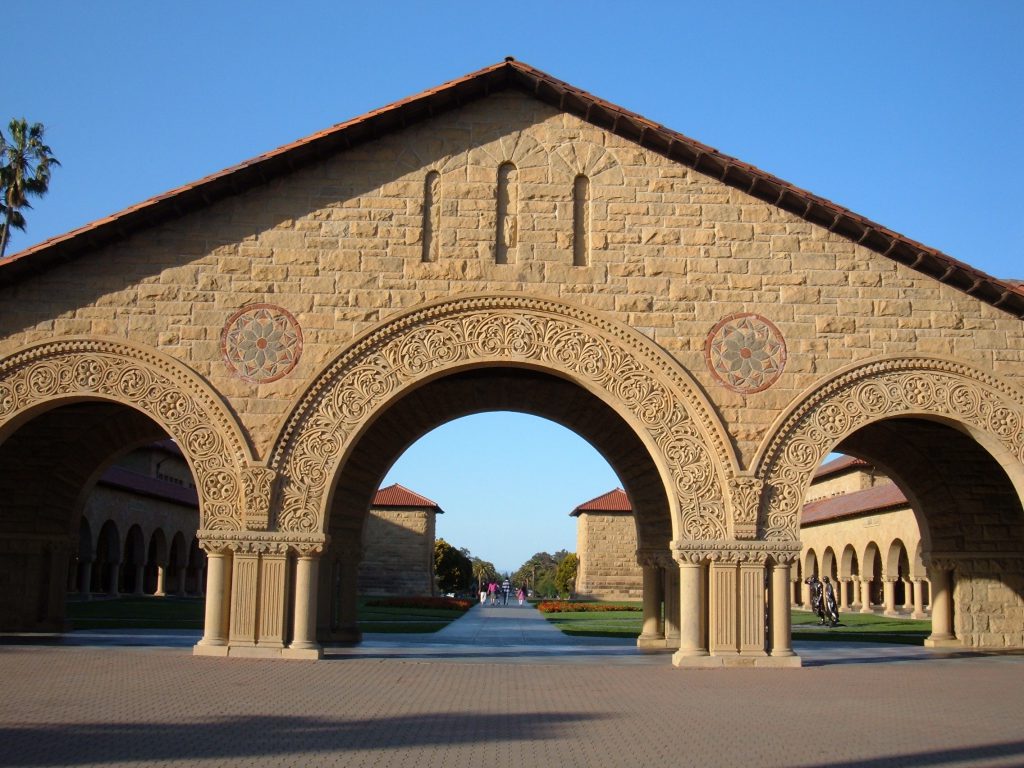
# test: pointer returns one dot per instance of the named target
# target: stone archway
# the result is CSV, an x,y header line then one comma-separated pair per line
x,y
57,383
624,369
712,505
69,370
974,407
992,410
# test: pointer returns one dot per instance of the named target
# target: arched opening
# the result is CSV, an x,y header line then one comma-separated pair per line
x,y
464,393
66,470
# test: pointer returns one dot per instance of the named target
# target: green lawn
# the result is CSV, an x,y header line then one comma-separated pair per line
x,y
137,613
855,626
403,620
187,613
863,627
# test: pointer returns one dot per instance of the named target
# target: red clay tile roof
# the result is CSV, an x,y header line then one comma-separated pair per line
x,y
399,496
838,465
613,501
876,499
477,85
125,479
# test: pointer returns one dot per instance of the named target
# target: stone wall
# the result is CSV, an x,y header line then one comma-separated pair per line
x,y
671,252
398,553
606,546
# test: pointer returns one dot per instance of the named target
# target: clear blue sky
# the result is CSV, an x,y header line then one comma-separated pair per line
x,y
910,113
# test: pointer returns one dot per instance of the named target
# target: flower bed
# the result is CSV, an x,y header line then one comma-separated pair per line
x,y
452,603
565,606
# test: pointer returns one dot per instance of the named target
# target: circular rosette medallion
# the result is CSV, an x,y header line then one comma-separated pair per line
x,y
261,343
745,352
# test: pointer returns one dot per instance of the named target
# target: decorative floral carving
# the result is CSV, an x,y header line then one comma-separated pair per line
x,y
155,385
261,343
746,497
606,357
907,386
257,485
745,352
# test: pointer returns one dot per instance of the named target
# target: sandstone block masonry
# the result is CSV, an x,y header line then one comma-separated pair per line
x,y
508,241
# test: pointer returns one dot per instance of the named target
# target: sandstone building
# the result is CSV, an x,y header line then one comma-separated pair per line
x,y
506,241
398,544
857,528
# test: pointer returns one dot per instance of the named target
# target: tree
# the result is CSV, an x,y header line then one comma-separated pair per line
x,y
452,569
565,578
483,571
25,165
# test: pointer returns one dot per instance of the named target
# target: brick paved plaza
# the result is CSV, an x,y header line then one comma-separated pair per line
x,y
395,702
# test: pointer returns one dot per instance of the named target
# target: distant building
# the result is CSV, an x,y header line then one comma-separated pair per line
x,y
606,548
857,528
137,533
398,544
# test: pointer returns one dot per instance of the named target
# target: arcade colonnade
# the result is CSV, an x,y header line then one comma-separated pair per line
x,y
717,541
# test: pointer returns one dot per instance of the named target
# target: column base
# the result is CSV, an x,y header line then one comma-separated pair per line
x,y
206,649
314,653
651,642
919,615
892,614
942,642
734,660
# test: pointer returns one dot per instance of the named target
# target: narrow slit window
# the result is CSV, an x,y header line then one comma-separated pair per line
x,y
581,221
431,215
507,203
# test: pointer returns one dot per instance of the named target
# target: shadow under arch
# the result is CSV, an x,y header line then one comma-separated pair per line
x,y
59,372
659,401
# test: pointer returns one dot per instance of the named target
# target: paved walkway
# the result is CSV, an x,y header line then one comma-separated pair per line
x,y
499,689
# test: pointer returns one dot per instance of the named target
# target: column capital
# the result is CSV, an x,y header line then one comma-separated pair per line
x,y
260,542
735,551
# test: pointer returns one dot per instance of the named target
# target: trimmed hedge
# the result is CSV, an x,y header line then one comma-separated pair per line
x,y
565,606
451,603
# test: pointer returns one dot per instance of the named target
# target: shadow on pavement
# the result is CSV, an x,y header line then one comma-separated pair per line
x,y
1012,750
234,737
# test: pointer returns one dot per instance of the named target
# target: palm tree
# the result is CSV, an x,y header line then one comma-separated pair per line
x,y
25,163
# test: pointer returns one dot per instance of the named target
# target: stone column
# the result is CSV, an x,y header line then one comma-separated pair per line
x,y
942,607
691,612
140,577
865,596
161,573
782,645
304,644
85,579
918,600
889,587
181,572
844,594
113,574
274,592
723,612
751,630
672,608
652,635
805,595
794,591
218,592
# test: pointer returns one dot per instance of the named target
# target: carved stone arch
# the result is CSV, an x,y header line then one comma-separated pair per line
x,y
164,389
519,148
649,389
585,158
990,409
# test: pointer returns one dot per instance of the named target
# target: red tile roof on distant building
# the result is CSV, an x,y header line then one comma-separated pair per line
x,y
613,501
511,74
125,479
879,498
841,464
399,496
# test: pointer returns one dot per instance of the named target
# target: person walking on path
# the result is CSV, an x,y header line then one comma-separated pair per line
x,y
492,589
520,595
506,587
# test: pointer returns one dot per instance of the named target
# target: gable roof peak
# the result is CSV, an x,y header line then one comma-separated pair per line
x,y
505,74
